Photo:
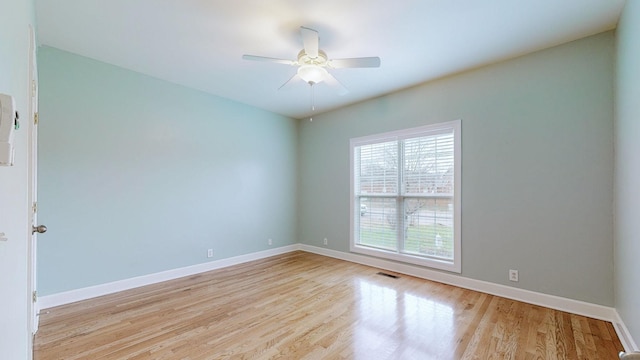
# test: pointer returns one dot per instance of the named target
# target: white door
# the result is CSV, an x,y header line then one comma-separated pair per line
x,y
32,126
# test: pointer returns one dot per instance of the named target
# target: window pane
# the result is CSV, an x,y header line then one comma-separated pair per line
x,y
377,168
428,227
378,223
428,164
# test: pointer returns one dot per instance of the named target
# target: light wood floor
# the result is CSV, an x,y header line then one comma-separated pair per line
x,y
306,306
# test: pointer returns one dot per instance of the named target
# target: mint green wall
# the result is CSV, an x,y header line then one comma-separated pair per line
x,y
537,166
15,335
138,175
627,184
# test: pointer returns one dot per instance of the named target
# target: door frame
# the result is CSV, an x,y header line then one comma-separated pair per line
x,y
32,130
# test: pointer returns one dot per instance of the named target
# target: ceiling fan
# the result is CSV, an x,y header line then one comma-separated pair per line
x,y
313,63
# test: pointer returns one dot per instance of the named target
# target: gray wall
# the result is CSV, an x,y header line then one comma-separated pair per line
x,y
138,175
627,184
537,166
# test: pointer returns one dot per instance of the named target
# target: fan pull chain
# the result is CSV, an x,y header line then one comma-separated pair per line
x,y
313,106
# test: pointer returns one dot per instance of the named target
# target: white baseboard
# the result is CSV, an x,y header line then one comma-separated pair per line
x,y
531,297
68,297
624,335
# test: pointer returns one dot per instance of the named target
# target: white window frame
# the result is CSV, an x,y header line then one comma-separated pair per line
x,y
456,264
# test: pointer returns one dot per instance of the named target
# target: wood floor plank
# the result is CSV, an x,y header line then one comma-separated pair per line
x,y
305,306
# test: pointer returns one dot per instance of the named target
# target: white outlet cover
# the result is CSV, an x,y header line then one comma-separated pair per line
x,y
513,275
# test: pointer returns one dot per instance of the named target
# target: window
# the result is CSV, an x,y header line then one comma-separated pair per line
x,y
405,195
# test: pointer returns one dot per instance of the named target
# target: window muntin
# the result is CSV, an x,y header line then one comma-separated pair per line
x,y
425,162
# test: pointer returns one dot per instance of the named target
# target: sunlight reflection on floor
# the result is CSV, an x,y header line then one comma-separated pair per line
x,y
400,324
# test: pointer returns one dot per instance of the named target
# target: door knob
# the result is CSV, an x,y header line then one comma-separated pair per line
x,y
41,229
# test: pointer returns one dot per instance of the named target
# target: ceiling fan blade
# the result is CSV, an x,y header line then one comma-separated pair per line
x,y
310,41
333,82
365,62
268,59
292,80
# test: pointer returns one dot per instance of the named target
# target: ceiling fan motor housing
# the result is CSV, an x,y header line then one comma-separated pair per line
x,y
320,60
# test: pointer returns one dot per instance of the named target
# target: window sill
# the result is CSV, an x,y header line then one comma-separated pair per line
x,y
407,258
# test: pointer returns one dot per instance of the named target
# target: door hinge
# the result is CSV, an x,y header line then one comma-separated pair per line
x,y
34,296
34,207
35,118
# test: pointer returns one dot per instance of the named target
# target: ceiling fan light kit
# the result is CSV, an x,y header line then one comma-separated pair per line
x,y
312,74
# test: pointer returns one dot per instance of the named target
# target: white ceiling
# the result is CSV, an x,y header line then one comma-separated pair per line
x,y
199,43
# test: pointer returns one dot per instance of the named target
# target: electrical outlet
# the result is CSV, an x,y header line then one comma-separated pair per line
x,y
210,253
326,242
513,275
270,242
